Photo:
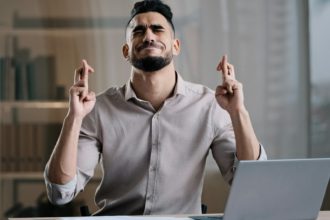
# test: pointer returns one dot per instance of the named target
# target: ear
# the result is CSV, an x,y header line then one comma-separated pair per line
x,y
125,50
176,47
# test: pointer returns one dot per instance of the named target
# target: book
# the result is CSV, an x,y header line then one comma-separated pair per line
x,y
31,81
2,78
4,147
41,76
20,64
9,79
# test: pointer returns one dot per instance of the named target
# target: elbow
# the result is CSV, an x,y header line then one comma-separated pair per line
x,y
59,198
60,194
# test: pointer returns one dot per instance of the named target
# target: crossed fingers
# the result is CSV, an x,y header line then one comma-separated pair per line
x,y
228,75
81,79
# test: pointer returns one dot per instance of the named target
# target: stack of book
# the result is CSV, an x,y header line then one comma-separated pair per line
x,y
25,78
27,147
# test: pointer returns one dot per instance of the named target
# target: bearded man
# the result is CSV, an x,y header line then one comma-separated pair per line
x,y
152,135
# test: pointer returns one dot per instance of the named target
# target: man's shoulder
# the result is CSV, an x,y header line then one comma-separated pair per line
x,y
192,88
112,93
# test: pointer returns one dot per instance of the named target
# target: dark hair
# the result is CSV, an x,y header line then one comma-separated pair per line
x,y
154,6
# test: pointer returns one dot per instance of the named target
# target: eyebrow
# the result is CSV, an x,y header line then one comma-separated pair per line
x,y
143,27
156,26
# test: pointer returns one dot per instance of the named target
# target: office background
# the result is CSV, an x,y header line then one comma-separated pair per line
x,y
280,50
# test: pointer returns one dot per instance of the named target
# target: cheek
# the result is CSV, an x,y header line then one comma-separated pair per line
x,y
168,44
131,48
170,47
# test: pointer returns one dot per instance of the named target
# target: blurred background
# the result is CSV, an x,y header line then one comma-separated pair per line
x,y
280,50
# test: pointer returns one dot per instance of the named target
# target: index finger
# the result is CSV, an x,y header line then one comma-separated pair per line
x,y
81,74
222,66
86,69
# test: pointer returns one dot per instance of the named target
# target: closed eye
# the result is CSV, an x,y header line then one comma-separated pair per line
x,y
139,29
157,28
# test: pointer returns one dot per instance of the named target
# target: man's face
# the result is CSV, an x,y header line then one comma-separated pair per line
x,y
150,43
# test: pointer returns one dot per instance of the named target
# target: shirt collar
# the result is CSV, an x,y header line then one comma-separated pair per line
x,y
129,92
178,90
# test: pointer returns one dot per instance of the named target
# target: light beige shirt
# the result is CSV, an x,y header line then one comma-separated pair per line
x,y
153,161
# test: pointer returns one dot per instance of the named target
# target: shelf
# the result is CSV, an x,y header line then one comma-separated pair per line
x,y
58,32
34,104
21,175
16,112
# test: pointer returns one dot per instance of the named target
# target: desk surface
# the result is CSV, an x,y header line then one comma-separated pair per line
x,y
324,215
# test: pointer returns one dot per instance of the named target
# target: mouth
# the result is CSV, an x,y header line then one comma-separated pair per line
x,y
150,49
148,46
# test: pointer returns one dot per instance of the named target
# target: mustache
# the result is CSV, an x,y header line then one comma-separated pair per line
x,y
147,44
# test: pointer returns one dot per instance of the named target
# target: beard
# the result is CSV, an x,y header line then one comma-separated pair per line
x,y
150,63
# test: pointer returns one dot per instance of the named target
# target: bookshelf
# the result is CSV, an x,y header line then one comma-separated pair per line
x,y
41,42
28,133
29,130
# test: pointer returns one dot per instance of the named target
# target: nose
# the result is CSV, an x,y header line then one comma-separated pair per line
x,y
149,36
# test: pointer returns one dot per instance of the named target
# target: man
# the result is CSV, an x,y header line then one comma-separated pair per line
x,y
152,135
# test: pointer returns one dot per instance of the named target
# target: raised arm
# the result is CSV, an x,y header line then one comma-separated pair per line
x,y
230,97
63,161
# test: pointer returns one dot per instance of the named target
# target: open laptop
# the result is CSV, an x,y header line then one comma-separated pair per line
x,y
291,189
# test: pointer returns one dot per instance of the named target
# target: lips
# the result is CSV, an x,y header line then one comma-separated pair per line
x,y
149,45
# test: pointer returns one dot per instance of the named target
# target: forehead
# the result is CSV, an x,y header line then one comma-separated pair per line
x,y
149,18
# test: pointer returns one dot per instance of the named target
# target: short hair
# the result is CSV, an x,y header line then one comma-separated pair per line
x,y
152,6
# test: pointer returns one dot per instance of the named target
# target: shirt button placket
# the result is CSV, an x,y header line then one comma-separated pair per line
x,y
150,197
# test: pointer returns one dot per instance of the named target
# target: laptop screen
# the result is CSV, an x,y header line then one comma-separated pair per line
x,y
278,189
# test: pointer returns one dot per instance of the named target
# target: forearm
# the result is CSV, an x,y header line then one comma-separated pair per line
x,y
63,161
247,144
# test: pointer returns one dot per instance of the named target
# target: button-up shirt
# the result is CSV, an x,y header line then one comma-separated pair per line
x,y
153,162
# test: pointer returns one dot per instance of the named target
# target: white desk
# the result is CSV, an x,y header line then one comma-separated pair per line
x,y
324,215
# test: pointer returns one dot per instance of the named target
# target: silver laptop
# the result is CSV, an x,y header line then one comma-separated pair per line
x,y
277,190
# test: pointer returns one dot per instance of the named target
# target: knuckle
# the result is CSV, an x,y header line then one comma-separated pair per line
x,y
231,81
73,90
80,83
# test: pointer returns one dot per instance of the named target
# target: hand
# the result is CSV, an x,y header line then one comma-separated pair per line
x,y
229,95
82,100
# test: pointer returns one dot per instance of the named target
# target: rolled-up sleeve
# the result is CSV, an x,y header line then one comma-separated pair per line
x,y
60,194
224,145
224,153
262,156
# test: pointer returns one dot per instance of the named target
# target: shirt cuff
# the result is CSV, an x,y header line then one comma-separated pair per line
x,y
60,193
262,156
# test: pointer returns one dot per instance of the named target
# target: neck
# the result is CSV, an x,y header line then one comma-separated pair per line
x,y
154,87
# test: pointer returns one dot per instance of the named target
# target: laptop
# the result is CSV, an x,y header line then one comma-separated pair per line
x,y
290,189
